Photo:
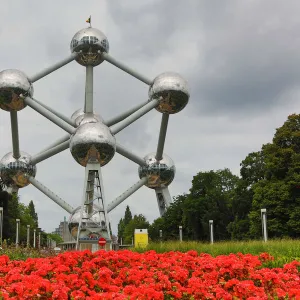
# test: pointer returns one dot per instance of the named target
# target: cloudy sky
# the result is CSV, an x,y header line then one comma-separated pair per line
x,y
241,59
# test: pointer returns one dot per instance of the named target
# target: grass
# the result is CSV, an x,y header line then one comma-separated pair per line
x,y
283,250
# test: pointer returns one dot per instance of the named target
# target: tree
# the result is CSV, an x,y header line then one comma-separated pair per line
x,y
138,222
127,216
33,214
277,192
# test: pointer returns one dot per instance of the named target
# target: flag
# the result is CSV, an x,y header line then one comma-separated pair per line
x,y
88,20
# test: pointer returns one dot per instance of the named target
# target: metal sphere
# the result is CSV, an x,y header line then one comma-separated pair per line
x,y
81,118
13,171
159,174
172,90
93,226
93,141
89,43
13,83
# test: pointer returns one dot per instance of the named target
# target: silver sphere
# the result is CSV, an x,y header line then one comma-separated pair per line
x,y
13,171
93,227
93,141
81,118
172,90
89,43
13,83
159,174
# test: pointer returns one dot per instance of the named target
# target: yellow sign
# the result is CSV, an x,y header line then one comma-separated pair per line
x,y
140,238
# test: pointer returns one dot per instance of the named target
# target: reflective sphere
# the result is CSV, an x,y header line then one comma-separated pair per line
x,y
13,83
81,118
93,227
173,91
13,171
160,174
93,141
90,42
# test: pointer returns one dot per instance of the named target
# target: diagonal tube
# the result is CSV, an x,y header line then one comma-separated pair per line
x,y
126,69
56,143
88,105
162,136
15,134
126,194
133,117
50,116
124,115
50,152
52,68
58,114
63,204
131,156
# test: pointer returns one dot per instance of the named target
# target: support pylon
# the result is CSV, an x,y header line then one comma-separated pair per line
x,y
93,222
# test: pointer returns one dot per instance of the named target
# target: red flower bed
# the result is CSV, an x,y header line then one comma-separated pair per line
x,y
129,275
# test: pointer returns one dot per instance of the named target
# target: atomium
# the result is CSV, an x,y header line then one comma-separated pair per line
x,y
90,225
91,140
13,171
89,43
172,91
14,83
159,173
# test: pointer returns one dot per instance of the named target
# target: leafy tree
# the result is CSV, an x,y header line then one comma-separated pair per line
x,y
33,214
121,228
138,222
127,216
155,227
55,237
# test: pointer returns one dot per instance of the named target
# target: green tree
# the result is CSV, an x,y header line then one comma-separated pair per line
x,y
155,227
127,216
277,192
33,214
138,222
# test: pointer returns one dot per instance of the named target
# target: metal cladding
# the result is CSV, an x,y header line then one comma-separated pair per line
x,y
159,173
93,141
92,225
81,118
172,91
89,43
13,83
13,171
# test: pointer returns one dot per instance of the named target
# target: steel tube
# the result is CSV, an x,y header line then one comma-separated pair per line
x,y
124,115
50,116
126,153
58,114
162,136
56,143
49,153
15,134
63,204
126,194
126,69
52,68
88,105
135,116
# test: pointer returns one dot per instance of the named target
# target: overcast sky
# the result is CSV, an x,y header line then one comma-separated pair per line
x,y
241,59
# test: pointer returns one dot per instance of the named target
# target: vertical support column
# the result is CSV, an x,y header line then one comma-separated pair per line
x,y
180,233
34,238
17,232
263,212
28,235
1,225
211,230
39,240
15,134
88,107
164,199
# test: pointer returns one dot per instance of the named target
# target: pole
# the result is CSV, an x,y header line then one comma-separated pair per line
x,y
263,212
39,240
180,233
15,134
34,237
17,232
88,106
1,225
160,236
28,235
211,231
